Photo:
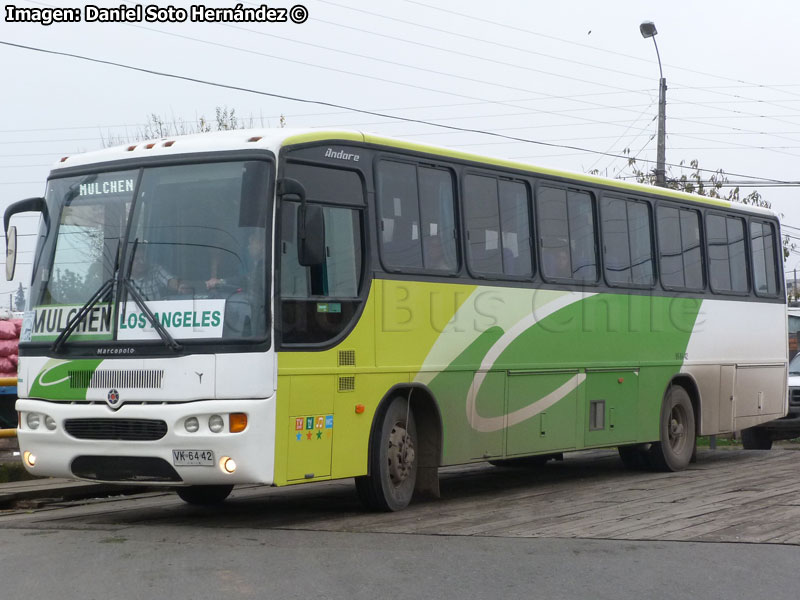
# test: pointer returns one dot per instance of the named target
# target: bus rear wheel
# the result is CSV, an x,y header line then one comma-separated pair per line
x,y
392,461
204,494
674,450
635,457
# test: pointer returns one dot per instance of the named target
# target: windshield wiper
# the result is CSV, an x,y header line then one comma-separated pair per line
x,y
104,288
165,335
73,322
128,285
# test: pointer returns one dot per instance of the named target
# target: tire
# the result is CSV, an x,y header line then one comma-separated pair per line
x,y
756,439
673,451
204,494
392,460
635,457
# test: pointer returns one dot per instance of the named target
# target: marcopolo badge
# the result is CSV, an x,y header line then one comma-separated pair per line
x,y
113,398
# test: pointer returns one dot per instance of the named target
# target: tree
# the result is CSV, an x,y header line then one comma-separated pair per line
x,y
160,127
698,182
19,299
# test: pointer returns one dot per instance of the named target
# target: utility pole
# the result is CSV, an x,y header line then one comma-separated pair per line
x,y
661,155
648,30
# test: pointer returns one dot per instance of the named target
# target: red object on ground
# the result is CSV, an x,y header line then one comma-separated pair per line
x,y
8,330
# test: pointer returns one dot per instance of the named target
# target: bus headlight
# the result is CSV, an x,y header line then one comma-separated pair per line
x,y
216,423
33,420
30,459
50,422
191,424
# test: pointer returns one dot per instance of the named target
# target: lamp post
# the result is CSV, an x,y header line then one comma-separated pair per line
x,y
648,30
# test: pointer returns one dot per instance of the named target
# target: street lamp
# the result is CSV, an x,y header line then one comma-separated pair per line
x,y
648,30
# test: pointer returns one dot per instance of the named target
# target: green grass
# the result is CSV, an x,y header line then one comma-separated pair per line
x,y
727,440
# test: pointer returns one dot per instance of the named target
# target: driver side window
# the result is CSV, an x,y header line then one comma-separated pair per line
x,y
319,302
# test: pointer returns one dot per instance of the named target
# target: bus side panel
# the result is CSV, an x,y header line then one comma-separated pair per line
x,y
739,364
557,349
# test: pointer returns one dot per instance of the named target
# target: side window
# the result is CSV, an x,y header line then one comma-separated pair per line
x,y
681,256
497,214
627,242
482,216
726,254
338,276
319,302
398,203
567,237
515,228
438,220
417,217
762,244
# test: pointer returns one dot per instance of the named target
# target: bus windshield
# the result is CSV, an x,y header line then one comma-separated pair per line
x,y
188,241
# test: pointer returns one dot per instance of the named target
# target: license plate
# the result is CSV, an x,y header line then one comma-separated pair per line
x,y
193,458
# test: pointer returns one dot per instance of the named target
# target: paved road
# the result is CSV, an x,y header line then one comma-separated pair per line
x,y
495,533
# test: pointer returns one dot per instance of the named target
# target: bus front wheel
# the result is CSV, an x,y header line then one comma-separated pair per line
x,y
756,439
204,494
392,460
675,447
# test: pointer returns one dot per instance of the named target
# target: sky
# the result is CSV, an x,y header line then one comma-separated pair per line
x,y
575,79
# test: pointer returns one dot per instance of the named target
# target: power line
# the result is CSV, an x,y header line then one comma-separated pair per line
x,y
551,37
414,86
334,105
472,39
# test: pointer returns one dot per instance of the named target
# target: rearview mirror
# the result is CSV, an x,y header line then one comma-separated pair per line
x,y
310,235
27,205
11,252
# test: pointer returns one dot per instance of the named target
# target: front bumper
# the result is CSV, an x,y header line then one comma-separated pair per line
x,y
60,454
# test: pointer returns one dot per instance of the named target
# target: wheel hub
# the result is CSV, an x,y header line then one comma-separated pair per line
x,y
676,428
401,454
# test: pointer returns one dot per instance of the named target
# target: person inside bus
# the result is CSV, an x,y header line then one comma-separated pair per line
x,y
151,279
556,263
251,278
245,302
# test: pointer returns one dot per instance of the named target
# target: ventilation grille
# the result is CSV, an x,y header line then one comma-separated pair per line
x,y
347,358
137,430
794,397
135,379
347,384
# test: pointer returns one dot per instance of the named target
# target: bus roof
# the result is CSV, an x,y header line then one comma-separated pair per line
x,y
274,139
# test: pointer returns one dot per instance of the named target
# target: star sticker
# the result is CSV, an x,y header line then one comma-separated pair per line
x,y
319,435
308,435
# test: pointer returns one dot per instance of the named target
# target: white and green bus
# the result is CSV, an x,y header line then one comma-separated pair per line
x,y
282,307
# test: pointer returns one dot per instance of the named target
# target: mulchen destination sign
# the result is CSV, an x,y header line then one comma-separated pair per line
x,y
184,319
154,13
